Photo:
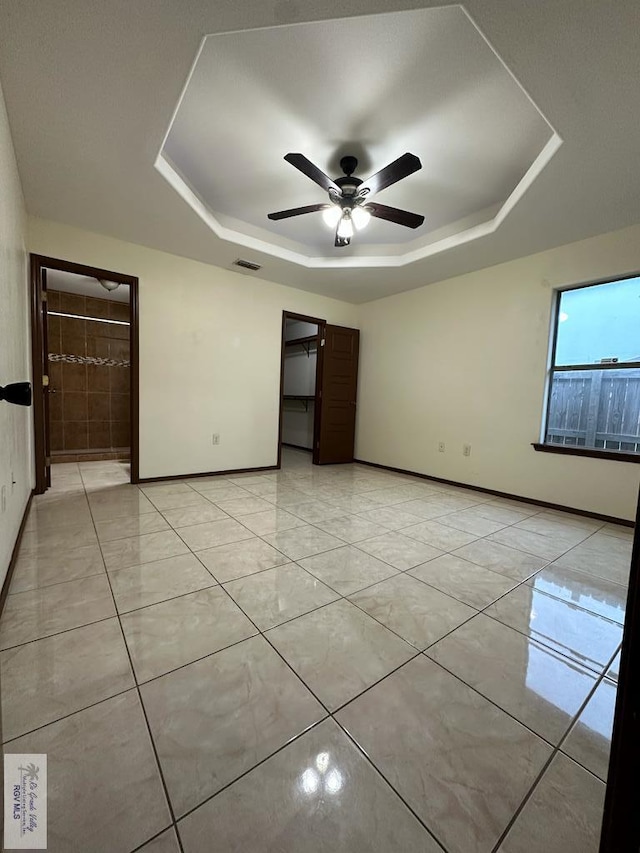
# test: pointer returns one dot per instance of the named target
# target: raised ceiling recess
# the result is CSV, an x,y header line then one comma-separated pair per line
x,y
372,87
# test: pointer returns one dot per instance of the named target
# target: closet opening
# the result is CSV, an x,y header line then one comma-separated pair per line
x,y
300,383
318,388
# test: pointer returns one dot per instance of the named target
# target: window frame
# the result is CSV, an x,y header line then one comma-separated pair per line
x,y
569,449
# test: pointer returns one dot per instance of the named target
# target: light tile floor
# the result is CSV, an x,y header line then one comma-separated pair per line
x,y
334,658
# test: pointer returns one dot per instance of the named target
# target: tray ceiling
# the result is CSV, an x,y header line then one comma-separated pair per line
x,y
90,98
423,81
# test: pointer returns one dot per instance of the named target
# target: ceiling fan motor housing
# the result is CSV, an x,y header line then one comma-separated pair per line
x,y
348,184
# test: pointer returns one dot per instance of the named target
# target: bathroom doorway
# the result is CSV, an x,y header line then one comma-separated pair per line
x,y
85,367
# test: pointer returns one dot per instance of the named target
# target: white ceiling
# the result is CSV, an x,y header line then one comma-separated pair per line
x,y
438,91
90,96
85,285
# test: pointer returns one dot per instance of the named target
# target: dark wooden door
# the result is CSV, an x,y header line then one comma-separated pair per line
x,y
336,398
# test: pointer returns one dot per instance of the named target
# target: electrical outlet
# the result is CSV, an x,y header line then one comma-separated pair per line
x,y
3,499
441,446
466,450
215,438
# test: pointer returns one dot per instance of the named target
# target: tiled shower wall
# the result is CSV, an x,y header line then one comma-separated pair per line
x,y
88,402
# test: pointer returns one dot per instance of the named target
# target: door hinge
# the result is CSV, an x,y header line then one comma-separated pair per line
x,y
44,295
317,445
47,460
45,381
322,342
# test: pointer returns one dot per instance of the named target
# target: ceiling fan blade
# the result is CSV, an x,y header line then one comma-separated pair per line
x,y
393,214
311,171
391,174
296,211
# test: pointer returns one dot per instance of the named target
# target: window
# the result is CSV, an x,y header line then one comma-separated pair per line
x,y
594,385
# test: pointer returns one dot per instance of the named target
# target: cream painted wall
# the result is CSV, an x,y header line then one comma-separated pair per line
x,y
15,421
464,361
209,351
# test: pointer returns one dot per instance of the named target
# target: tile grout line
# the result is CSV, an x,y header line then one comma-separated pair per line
x,y
556,750
142,706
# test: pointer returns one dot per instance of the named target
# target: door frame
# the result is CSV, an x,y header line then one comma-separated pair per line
x,y
303,318
38,357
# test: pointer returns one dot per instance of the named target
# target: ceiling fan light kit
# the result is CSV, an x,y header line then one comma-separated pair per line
x,y
348,196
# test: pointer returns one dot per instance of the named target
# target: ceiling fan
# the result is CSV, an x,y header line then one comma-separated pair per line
x,y
348,205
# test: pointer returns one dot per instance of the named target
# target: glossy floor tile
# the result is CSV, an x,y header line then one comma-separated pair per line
x,y
351,528
149,583
535,685
188,515
177,500
460,762
469,583
41,612
166,842
582,636
419,614
319,657
303,541
173,633
237,507
202,536
472,521
541,545
502,559
338,651
401,552
317,794
277,595
347,569
134,550
100,760
217,718
44,541
597,595
614,670
48,679
271,521
34,571
228,562
604,556
439,535
107,506
390,517
563,815
136,525
589,741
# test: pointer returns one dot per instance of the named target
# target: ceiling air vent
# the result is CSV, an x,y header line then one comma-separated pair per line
x,y
247,265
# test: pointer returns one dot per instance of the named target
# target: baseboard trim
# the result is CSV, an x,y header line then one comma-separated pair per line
x,y
14,554
599,516
231,471
297,447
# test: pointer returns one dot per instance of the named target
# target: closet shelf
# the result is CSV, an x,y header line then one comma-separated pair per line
x,y
306,343
302,398
310,339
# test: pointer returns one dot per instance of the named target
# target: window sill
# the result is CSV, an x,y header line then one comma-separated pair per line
x,y
588,452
